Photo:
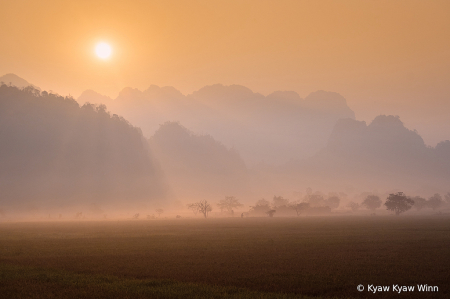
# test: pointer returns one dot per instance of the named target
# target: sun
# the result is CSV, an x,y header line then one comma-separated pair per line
x,y
103,50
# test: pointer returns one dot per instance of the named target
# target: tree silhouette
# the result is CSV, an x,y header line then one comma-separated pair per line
x,y
261,207
270,213
435,202
372,202
159,212
399,203
228,203
419,202
447,197
202,206
333,202
299,207
353,205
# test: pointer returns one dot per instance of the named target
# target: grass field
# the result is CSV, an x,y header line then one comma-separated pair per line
x,y
225,258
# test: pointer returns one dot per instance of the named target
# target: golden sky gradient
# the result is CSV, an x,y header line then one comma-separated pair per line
x,y
390,57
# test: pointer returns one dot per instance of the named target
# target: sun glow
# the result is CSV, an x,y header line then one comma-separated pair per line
x,y
103,50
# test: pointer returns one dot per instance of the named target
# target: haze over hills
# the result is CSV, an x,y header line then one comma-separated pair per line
x,y
384,154
198,166
57,150
55,153
273,129
14,80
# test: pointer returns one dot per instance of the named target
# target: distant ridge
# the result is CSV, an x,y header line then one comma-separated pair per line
x,y
273,128
14,80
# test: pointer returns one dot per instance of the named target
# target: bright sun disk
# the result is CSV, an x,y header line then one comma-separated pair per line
x,y
103,50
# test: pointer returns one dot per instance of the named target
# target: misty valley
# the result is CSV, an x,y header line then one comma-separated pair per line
x,y
222,193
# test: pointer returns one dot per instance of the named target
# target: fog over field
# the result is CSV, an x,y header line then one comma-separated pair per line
x,y
95,157
224,149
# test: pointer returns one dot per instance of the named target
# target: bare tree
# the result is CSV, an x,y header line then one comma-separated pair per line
x,y
193,207
229,203
399,203
159,212
299,207
202,206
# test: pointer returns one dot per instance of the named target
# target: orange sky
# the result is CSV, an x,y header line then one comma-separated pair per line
x,y
390,57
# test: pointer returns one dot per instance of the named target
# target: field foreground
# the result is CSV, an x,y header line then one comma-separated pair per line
x,y
233,258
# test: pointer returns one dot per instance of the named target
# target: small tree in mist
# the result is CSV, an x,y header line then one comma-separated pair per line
x,y
159,212
435,201
299,207
281,205
399,203
353,205
261,207
372,202
333,202
419,202
202,206
229,203
279,201
315,200
193,207
271,213
447,197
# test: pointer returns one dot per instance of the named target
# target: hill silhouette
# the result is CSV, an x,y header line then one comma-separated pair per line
x,y
55,153
198,165
384,154
273,128
14,80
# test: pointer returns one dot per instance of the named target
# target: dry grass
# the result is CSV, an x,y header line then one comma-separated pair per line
x,y
313,256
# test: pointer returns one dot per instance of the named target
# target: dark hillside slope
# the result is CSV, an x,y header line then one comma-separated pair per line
x,y
52,151
198,165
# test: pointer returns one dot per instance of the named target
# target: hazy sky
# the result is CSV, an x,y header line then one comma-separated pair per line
x,y
390,57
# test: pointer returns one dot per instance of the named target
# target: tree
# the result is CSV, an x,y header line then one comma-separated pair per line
x,y
159,212
333,202
315,200
229,203
447,197
372,202
279,201
419,202
193,207
281,205
202,206
399,203
353,205
299,207
435,201
261,207
270,213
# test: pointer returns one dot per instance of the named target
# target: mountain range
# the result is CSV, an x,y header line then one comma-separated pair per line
x,y
220,140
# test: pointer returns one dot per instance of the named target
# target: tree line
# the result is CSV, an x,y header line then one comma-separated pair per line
x,y
318,204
